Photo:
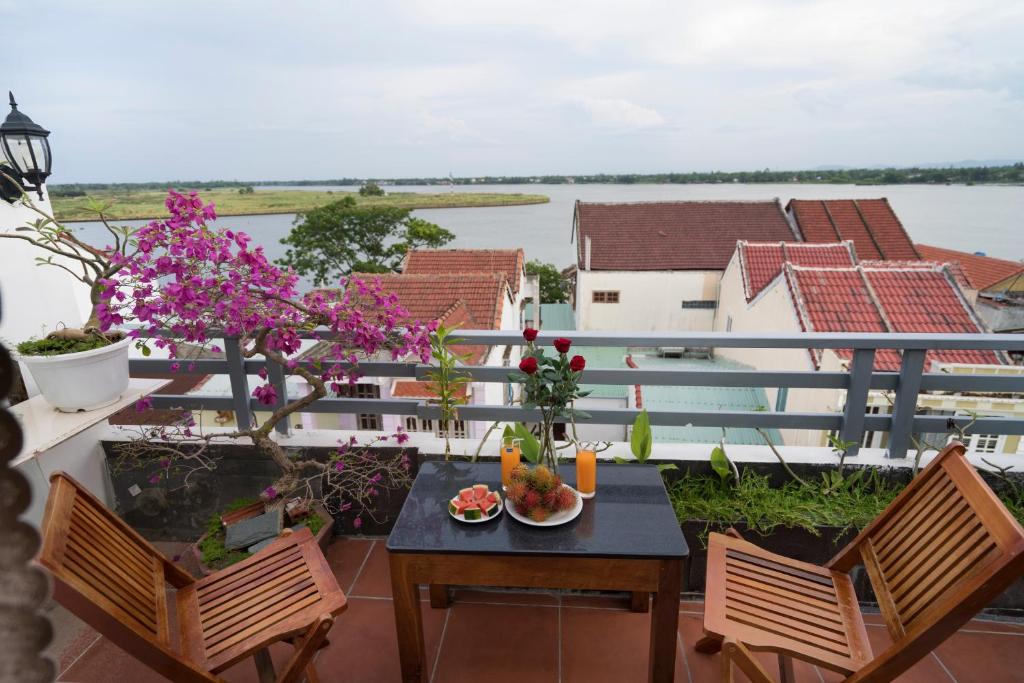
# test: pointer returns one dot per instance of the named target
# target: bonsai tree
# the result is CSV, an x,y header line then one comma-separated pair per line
x,y
191,281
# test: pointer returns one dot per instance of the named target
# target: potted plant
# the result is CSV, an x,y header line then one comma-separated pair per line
x,y
78,368
193,279
550,383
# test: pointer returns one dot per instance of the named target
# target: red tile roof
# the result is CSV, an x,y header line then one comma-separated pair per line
x,y
954,268
887,299
672,235
761,262
509,262
982,272
430,297
404,388
871,224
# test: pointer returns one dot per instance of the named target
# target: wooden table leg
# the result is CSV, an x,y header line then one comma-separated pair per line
x,y
440,598
639,601
665,623
408,622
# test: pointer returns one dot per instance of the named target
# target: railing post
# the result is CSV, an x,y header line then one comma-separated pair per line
x,y
857,398
905,405
276,376
239,383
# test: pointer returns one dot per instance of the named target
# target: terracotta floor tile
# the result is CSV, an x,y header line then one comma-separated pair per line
x,y
375,578
346,557
984,657
363,646
509,643
928,670
536,598
988,626
605,645
707,667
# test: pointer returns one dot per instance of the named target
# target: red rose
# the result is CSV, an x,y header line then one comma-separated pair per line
x,y
562,344
529,334
577,363
528,365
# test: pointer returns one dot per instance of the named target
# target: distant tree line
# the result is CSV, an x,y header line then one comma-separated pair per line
x,y
1013,174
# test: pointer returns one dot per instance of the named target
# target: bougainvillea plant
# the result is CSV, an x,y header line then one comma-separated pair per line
x,y
550,383
189,282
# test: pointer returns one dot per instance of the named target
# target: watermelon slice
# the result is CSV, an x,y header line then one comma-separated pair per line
x,y
467,494
489,508
480,491
472,512
493,497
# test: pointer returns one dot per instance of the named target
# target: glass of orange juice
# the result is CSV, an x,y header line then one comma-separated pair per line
x,y
510,455
586,473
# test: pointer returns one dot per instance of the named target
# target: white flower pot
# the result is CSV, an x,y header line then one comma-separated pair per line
x,y
86,380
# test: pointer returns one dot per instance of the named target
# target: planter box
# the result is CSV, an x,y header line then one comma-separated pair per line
x,y
323,537
165,512
803,545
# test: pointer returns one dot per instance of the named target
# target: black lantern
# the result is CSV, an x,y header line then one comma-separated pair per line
x,y
24,144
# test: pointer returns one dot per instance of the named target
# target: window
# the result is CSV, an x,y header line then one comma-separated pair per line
x,y
364,390
416,424
605,297
984,443
699,303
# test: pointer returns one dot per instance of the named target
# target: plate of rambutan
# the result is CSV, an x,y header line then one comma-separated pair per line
x,y
537,496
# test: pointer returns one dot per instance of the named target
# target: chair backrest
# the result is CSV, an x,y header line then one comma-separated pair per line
x,y
111,577
941,551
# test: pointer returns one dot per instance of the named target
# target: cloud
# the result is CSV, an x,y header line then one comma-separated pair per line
x,y
620,113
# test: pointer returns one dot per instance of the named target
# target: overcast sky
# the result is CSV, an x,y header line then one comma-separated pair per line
x,y
138,91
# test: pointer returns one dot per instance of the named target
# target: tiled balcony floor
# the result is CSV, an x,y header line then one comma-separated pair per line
x,y
525,638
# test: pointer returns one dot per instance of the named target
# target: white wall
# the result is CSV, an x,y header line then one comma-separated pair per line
x,y
35,299
772,311
649,301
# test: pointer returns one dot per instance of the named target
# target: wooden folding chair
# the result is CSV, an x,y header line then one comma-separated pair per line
x,y
115,581
942,550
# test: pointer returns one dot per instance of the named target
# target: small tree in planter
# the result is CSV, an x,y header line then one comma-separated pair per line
x,y
191,279
77,368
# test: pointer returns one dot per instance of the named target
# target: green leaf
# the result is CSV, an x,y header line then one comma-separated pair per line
x,y
666,467
579,414
145,350
641,441
720,463
620,460
508,432
529,445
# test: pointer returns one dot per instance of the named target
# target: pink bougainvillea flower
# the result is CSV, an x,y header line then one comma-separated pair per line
x,y
266,394
143,404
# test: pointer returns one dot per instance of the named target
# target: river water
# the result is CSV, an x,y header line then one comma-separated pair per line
x,y
981,218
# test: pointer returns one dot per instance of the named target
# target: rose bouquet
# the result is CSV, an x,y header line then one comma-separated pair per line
x,y
550,383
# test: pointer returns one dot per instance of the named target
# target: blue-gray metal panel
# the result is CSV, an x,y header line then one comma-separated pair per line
x,y
275,375
905,404
239,383
857,398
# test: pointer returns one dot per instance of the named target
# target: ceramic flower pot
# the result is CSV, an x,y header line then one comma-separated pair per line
x,y
86,380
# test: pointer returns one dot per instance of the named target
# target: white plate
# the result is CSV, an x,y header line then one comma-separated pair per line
x,y
462,518
555,519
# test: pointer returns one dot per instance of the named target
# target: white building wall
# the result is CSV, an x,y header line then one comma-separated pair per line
x,y
35,299
772,311
649,301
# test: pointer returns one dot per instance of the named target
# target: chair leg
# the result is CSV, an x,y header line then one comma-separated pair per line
x,y
264,666
786,674
736,652
708,645
301,663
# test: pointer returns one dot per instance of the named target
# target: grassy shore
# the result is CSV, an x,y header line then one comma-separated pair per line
x,y
150,204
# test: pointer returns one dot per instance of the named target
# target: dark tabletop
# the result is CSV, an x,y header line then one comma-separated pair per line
x,y
629,517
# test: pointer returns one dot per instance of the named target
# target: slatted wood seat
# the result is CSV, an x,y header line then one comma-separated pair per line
x,y
116,582
942,550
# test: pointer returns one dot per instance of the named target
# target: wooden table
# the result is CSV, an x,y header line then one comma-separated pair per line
x,y
627,538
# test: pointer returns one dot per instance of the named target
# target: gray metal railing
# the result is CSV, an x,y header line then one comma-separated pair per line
x,y
850,424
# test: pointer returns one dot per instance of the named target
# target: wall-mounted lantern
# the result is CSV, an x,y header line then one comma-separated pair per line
x,y
24,153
